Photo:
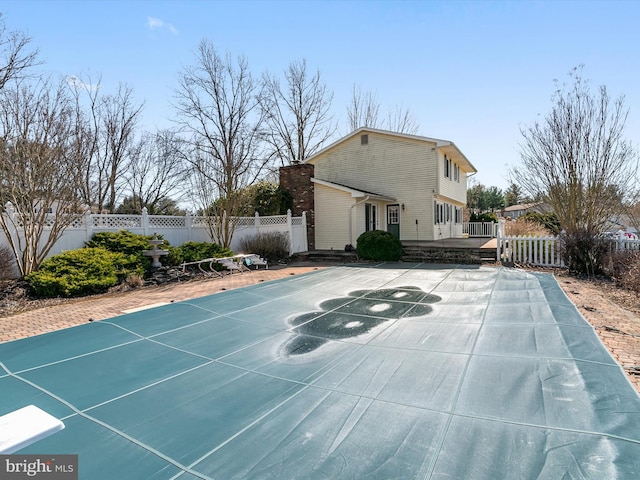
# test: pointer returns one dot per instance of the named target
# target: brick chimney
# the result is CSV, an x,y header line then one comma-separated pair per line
x,y
296,179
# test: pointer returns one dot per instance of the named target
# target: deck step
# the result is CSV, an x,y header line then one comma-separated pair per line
x,y
332,256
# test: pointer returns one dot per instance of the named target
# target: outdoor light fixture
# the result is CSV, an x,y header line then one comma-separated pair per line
x,y
403,207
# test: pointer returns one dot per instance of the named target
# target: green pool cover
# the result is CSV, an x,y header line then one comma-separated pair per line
x,y
399,371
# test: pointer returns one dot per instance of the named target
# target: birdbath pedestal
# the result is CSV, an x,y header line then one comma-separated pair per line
x,y
155,253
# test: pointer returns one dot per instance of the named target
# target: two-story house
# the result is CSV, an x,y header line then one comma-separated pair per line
x,y
414,187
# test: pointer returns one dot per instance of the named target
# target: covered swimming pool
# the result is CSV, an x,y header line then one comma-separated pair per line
x,y
394,371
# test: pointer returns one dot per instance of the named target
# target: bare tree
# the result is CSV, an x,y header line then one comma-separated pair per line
x,y
156,172
578,160
298,119
217,110
402,120
15,56
363,110
105,132
39,170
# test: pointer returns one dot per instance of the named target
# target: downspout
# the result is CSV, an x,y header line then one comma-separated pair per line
x,y
351,217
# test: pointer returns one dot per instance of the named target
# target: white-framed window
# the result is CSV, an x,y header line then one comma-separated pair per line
x,y
393,214
441,212
458,214
370,217
447,167
456,173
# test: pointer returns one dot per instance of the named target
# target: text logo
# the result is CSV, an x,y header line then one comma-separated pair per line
x,y
50,467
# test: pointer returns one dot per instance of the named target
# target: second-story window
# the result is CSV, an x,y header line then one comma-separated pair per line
x,y
447,167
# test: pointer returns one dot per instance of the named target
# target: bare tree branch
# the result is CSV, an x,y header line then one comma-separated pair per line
x,y
15,58
156,172
578,159
363,110
106,129
298,120
217,110
402,120
39,169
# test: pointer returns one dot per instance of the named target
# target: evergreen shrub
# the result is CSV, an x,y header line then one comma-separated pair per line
x,y
84,271
379,245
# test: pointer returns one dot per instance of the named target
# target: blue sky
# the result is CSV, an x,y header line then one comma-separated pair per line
x,y
472,72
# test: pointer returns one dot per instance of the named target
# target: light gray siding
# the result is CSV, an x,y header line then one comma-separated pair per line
x,y
396,167
332,211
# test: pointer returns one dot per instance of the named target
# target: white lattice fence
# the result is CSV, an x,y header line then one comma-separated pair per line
x,y
113,221
177,230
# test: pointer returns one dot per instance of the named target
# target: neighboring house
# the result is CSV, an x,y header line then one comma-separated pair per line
x,y
515,211
623,223
414,187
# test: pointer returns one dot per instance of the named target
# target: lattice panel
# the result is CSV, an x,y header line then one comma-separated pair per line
x,y
77,223
296,221
166,221
199,222
117,221
275,220
245,221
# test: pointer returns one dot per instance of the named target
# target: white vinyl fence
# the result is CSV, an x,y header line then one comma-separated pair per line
x,y
178,230
544,251
480,229
539,251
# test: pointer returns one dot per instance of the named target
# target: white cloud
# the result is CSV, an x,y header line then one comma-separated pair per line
x,y
154,23
76,82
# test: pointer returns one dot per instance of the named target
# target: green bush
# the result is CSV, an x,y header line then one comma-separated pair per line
x,y
379,245
194,251
81,272
272,246
130,244
123,242
483,217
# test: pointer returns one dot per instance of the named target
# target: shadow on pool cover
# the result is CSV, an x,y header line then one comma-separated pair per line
x,y
356,314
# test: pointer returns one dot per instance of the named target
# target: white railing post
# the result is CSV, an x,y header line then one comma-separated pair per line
x,y
304,231
256,223
88,225
188,222
290,230
145,221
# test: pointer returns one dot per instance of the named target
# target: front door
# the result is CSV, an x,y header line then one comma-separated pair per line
x,y
393,220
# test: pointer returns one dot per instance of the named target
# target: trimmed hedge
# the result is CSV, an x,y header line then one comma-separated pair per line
x,y
81,272
379,245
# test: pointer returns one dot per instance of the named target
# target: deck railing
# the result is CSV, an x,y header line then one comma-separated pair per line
x,y
480,229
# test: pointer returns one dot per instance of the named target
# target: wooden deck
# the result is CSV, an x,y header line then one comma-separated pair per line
x,y
448,250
